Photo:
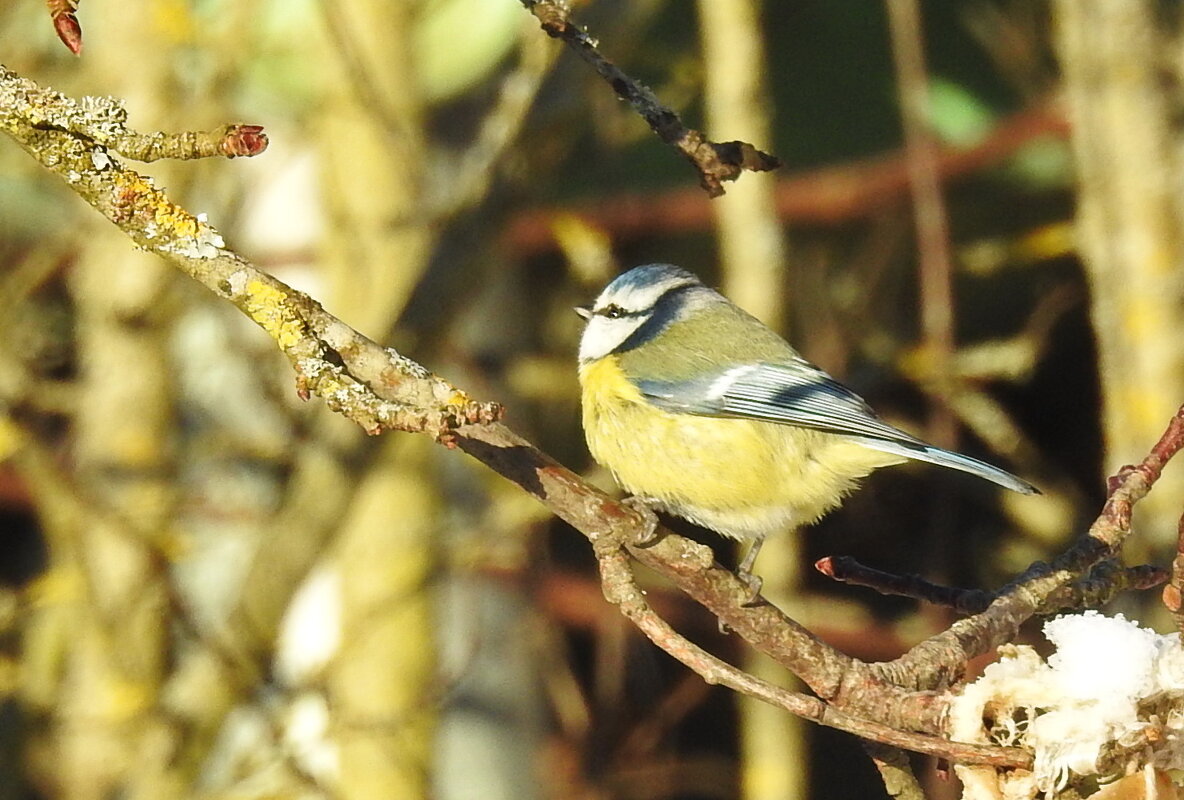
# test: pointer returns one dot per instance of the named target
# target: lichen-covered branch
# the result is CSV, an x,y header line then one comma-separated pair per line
x,y
371,385
103,120
716,161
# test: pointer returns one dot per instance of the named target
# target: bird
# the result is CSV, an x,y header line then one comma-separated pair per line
x,y
701,411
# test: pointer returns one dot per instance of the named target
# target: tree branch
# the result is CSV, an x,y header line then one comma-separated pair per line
x,y
898,703
1101,585
716,161
371,385
941,659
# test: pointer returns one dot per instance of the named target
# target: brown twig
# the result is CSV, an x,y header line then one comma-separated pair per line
x,y
1103,583
1173,593
716,162
847,570
826,196
61,13
621,590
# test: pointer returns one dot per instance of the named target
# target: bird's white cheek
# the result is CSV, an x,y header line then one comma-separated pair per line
x,y
602,336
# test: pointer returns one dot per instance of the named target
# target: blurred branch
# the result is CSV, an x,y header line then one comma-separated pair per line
x,y
360,76
935,265
895,771
1122,98
825,196
716,162
499,127
754,267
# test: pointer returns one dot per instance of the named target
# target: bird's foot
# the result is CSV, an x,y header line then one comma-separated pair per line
x,y
639,504
753,583
746,576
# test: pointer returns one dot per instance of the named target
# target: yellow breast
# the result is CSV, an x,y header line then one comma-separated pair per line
x,y
742,478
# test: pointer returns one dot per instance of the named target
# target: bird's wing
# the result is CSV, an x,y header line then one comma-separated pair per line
x,y
799,393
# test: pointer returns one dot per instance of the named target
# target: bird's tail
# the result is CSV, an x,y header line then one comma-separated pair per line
x,y
920,451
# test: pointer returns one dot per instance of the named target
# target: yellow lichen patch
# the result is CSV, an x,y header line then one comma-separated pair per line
x,y
268,306
136,191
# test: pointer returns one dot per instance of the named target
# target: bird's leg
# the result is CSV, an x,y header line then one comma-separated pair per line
x,y
753,582
746,576
642,506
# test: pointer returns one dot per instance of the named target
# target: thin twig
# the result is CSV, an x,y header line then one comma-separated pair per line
x,y
1101,585
847,570
716,162
621,590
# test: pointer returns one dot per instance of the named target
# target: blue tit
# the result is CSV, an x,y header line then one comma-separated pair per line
x,y
701,411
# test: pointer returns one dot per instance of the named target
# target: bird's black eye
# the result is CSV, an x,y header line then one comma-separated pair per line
x,y
613,311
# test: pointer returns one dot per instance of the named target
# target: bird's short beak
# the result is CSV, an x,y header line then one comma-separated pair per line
x,y
584,311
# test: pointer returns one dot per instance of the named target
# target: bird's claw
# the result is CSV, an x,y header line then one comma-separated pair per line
x,y
753,583
651,536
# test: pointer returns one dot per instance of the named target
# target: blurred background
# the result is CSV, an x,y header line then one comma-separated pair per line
x,y
211,589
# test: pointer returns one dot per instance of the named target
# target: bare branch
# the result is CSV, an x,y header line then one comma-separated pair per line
x,y
1101,585
716,161
621,590
941,659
